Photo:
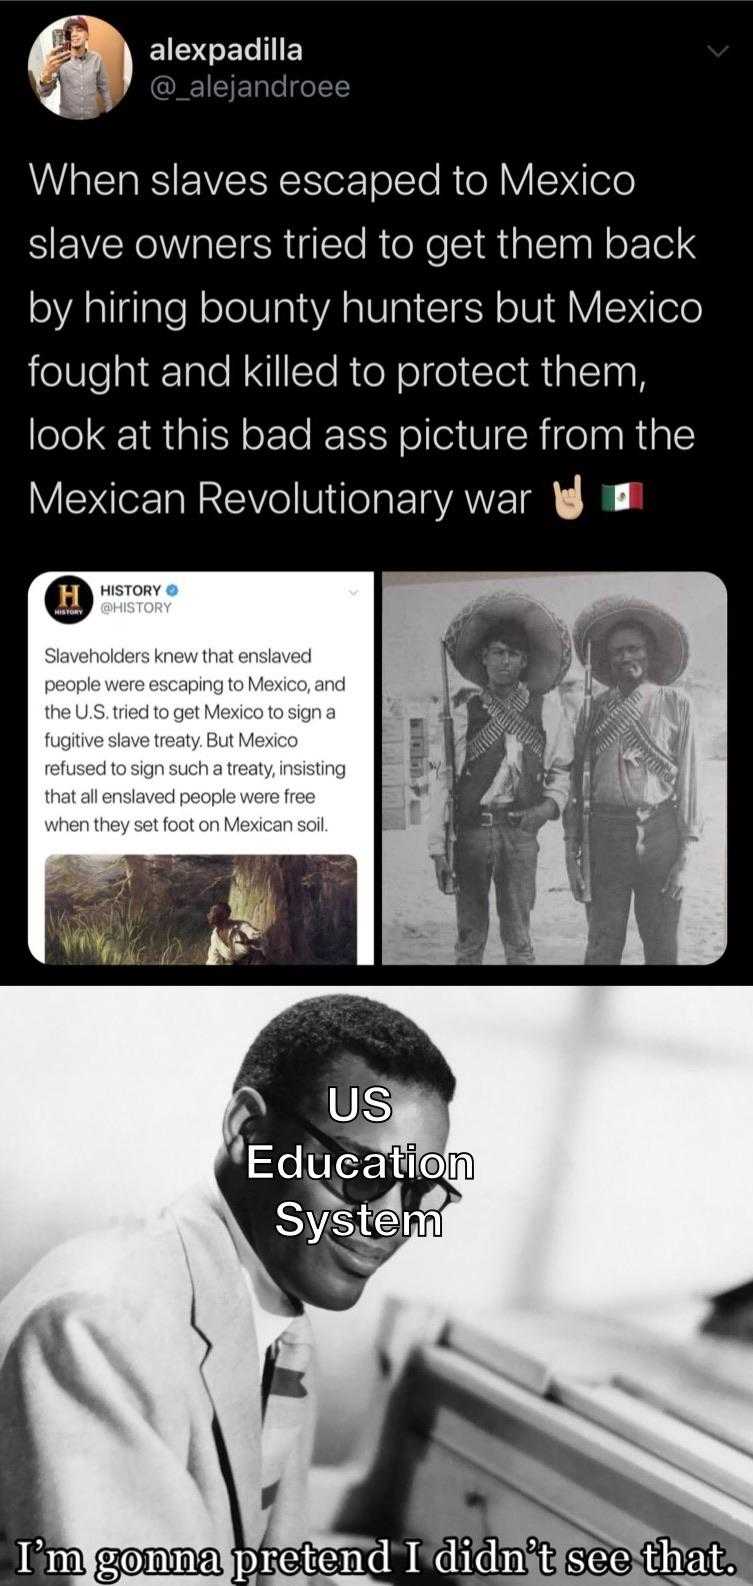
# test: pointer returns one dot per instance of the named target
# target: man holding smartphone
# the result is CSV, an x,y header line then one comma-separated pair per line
x,y
81,73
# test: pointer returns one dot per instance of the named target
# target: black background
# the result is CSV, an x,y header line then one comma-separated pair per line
x,y
615,86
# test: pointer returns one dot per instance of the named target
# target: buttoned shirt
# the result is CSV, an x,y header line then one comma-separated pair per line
x,y
81,79
558,759
620,779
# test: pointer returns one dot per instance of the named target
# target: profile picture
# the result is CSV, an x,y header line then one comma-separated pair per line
x,y
80,67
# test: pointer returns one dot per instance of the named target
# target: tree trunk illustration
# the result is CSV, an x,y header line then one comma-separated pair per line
x,y
148,877
138,880
304,905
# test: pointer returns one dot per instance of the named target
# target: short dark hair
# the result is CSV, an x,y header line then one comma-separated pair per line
x,y
218,914
293,1052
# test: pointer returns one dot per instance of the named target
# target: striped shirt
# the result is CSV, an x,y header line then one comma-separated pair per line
x,y
621,779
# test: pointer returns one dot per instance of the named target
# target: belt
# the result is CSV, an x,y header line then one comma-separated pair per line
x,y
492,817
617,812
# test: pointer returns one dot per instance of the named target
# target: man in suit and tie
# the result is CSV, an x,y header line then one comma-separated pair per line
x,y
156,1380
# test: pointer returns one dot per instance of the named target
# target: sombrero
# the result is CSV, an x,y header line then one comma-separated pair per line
x,y
549,652
671,649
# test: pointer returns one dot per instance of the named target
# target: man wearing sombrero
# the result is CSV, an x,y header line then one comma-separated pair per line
x,y
639,749
512,750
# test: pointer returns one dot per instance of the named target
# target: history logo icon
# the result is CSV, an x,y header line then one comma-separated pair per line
x,y
69,598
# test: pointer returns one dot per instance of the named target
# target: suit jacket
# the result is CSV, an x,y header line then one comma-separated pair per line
x,y
130,1405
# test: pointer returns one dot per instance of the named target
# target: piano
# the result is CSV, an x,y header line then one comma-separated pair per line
x,y
588,1432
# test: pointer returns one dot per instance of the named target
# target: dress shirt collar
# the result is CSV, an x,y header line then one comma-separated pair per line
x,y
272,1309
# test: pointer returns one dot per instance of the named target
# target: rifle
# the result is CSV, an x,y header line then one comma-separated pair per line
x,y
445,717
585,847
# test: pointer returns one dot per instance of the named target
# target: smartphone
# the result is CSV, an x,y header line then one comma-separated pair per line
x,y
58,39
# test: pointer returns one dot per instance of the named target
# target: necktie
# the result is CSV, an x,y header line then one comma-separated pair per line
x,y
267,1374
283,1403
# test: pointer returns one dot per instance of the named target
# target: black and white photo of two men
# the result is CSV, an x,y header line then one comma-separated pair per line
x,y
376,1282
554,768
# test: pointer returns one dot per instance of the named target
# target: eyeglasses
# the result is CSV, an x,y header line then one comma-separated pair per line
x,y
416,1194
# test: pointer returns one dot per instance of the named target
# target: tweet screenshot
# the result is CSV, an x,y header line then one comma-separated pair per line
x,y
375,1100
200,769
432,289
